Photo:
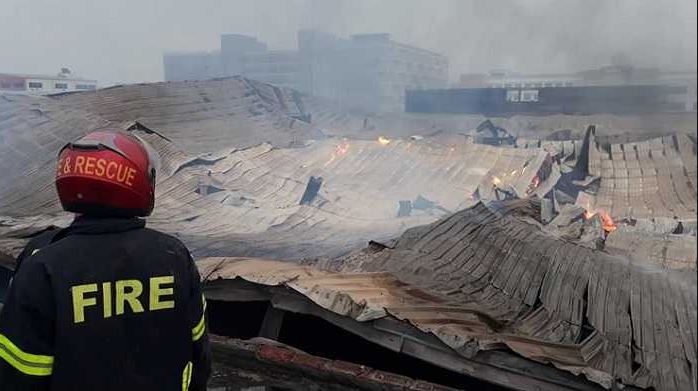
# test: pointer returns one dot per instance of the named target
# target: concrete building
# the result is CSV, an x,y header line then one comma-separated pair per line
x,y
372,72
528,87
234,48
366,71
283,68
604,76
65,81
190,66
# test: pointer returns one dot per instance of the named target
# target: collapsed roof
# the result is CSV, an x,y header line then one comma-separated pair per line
x,y
241,172
655,178
607,317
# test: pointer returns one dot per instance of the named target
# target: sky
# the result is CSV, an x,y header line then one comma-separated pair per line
x,y
122,41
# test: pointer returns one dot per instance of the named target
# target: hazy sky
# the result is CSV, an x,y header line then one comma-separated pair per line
x,y
123,40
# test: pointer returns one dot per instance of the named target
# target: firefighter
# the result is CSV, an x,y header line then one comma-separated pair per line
x,y
105,304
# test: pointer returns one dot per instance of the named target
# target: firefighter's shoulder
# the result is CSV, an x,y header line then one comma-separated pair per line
x,y
168,243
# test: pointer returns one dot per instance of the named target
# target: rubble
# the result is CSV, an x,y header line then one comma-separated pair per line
x,y
490,259
530,263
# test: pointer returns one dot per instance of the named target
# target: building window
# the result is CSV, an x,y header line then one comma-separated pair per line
x,y
85,87
529,96
512,95
61,86
35,85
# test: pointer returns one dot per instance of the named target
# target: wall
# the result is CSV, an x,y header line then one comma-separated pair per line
x,y
192,66
562,100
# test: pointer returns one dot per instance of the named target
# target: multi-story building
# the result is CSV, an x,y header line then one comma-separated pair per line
x,y
367,71
283,68
12,83
371,71
604,76
190,66
615,90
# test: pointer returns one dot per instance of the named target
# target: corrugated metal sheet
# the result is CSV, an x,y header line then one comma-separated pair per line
x,y
202,116
631,321
647,179
665,250
366,297
370,296
253,208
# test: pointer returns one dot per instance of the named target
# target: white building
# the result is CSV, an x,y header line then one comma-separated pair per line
x,y
44,84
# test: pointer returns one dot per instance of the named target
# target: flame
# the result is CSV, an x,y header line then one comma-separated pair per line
x,y
496,181
383,140
606,220
340,150
535,182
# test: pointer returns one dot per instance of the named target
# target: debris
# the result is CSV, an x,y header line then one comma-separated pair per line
x,y
404,209
547,210
493,135
311,190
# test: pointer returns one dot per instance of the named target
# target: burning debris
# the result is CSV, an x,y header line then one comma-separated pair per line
x,y
518,240
340,150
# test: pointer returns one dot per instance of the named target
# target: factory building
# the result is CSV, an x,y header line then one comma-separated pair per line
x,y
366,71
607,90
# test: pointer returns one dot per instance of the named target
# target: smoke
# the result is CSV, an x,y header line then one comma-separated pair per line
x,y
123,41
529,36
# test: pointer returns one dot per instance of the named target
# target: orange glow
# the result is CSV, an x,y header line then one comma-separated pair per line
x,y
383,140
535,182
606,220
340,150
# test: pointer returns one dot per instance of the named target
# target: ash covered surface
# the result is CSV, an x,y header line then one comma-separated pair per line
x,y
578,242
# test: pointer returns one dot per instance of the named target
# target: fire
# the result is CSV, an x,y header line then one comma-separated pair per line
x,y
535,182
496,181
383,140
606,220
340,150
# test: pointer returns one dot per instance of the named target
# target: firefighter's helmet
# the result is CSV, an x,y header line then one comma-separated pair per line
x,y
107,173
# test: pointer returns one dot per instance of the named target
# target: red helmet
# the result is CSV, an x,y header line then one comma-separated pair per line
x,y
106,173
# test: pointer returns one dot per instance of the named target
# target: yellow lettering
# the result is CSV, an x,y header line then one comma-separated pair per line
x,y
90,166
135,289
101,163
122,170
106,296
157,291
130,176
111,174
66,166
79,161
80,301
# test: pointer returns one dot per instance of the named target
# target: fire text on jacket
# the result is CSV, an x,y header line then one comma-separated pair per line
x,y
115,296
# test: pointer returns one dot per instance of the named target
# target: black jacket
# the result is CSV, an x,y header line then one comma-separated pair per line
x,y
105,304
